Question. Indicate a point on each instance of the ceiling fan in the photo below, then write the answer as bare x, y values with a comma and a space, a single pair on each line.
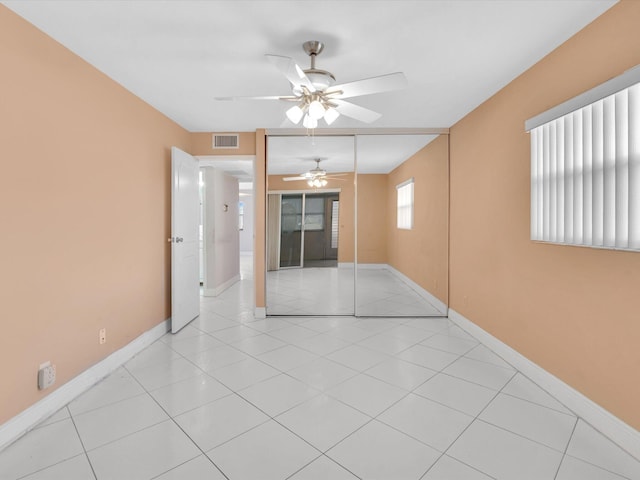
316, 177
315, 95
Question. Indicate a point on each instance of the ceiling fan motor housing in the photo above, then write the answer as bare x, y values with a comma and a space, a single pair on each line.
320, 79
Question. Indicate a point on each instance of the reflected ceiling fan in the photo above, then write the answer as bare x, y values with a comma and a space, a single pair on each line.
316, 177
315, 95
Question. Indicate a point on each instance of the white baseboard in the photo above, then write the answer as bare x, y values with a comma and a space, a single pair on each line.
372, 266
260, 312
427, 295
214, 292
611, 426
345, 264
17, 426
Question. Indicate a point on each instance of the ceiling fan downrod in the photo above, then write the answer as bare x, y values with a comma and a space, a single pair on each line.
313, 48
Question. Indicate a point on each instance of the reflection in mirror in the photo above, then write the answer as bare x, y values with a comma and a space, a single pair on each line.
403, 210
310, 225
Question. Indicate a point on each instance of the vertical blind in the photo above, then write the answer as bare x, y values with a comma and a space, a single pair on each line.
335, 222
585, 174
405, 204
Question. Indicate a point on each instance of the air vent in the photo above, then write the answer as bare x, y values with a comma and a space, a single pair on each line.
227, 140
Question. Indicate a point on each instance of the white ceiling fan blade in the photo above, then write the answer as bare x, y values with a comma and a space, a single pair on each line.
355, 111
287, 98
367, 86
292, 71
290, 179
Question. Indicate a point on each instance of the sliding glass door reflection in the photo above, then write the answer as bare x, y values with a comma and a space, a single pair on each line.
291, 234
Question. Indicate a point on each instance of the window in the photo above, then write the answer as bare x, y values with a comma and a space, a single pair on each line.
405, 204
335, 213
585, 171
241, 215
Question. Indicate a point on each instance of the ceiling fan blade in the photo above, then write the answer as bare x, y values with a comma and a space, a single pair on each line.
367, 86
288, 98
355, 111
290, 179
292, 71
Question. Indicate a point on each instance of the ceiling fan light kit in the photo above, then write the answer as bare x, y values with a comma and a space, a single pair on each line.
316, 177
315, 95
309, 122
317, 182
295, 114
331, 115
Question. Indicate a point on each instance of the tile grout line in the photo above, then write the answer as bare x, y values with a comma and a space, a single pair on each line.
320, 393
600, 467
181, 429
566, 447
235, 392
466, 428
83, 453
86, 454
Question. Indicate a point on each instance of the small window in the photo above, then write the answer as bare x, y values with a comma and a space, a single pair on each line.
335, 213
241, 215
405, 205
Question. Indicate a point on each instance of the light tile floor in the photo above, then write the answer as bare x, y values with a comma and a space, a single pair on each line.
314, 398
330, 291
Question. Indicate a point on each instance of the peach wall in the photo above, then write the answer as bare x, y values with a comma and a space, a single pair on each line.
372, 218
202, 144
346, 241
85, 212
422, 252
571, 310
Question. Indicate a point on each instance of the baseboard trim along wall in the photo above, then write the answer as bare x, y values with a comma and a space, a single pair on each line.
611, 426
260, 312
426, 294
214, 292
25, 421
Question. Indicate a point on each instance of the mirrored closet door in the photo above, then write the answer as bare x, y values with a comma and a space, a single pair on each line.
402, 225
357, 225
310, 226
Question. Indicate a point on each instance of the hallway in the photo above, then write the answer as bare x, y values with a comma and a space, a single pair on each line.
314, 398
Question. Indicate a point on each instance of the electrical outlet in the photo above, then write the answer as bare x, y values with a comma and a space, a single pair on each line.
46, 375
103, 336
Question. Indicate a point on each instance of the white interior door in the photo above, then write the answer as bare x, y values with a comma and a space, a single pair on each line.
185, 263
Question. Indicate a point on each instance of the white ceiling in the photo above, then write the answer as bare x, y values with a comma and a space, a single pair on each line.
178, 55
